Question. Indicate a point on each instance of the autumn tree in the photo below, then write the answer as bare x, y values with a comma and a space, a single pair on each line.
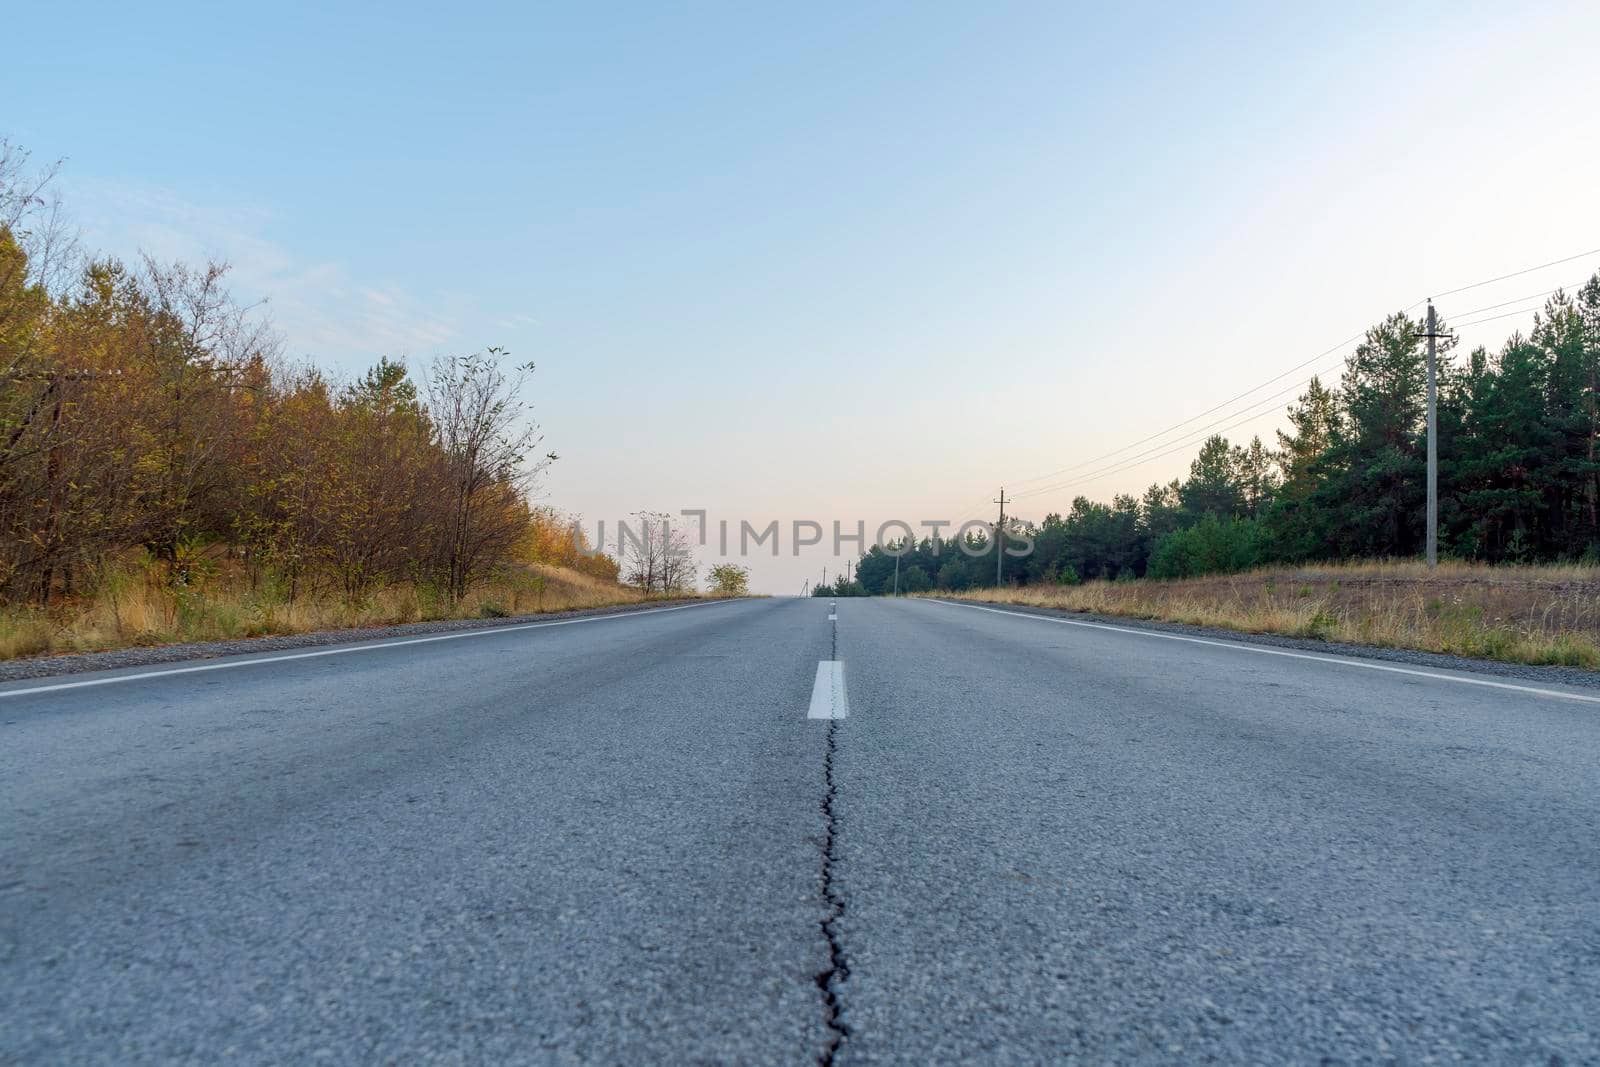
655, 554
486, 438
729, 579
146, 413
199, 355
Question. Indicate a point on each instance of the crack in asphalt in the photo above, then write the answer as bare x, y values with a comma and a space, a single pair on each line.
829, 979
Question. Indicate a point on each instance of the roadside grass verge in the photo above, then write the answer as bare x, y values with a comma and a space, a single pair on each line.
1530, 615
133, 606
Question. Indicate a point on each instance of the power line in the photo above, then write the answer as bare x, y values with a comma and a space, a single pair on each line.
1279, 377
1165, 451
1191, 437
1203, 414
1516, 273
1194, 437
1520, 299
1255, 410
972, 511
1491, 318
1189, 440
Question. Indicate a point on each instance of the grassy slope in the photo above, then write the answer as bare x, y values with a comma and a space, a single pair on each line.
1537, 615
134, 608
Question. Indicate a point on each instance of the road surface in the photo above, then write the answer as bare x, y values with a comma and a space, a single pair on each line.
684, 836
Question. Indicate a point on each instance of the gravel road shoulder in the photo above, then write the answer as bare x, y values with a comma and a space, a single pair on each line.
79, 662
1574, 676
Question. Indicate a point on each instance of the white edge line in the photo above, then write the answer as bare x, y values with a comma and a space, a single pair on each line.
342, 650
1257, 649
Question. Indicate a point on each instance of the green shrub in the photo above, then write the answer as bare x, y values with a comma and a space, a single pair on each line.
915, 580
1210, 546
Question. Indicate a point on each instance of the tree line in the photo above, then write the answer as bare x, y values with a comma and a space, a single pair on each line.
142, 409
1519, 474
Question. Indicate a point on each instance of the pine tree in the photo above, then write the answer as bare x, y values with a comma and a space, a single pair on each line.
1213, 485
1298, 529
1314, 421
1160, 511
1500, 479
1252, 467
1589, 313
1567, 471
1375, 489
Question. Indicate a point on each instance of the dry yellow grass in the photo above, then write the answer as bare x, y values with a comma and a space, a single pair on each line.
134, 607
1536, 615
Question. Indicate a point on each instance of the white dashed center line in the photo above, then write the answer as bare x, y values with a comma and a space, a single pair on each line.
828, 700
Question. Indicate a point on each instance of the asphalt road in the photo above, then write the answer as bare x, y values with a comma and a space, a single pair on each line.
652, 838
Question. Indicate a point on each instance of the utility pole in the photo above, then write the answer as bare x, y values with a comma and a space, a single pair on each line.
1433, 439
1000, 538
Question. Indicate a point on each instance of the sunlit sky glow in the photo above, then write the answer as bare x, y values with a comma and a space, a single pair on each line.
846, 262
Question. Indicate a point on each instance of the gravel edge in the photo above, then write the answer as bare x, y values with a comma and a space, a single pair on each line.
1573, 676
17, 670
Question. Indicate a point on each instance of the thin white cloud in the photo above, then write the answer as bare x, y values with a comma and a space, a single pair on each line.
324, 313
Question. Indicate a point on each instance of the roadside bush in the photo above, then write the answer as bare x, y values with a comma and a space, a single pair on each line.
915, 580
1210, 546
729, 579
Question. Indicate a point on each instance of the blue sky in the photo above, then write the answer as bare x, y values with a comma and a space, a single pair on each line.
802, 261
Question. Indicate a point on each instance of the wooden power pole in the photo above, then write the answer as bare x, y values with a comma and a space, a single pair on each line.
1433, 438
1000, 539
